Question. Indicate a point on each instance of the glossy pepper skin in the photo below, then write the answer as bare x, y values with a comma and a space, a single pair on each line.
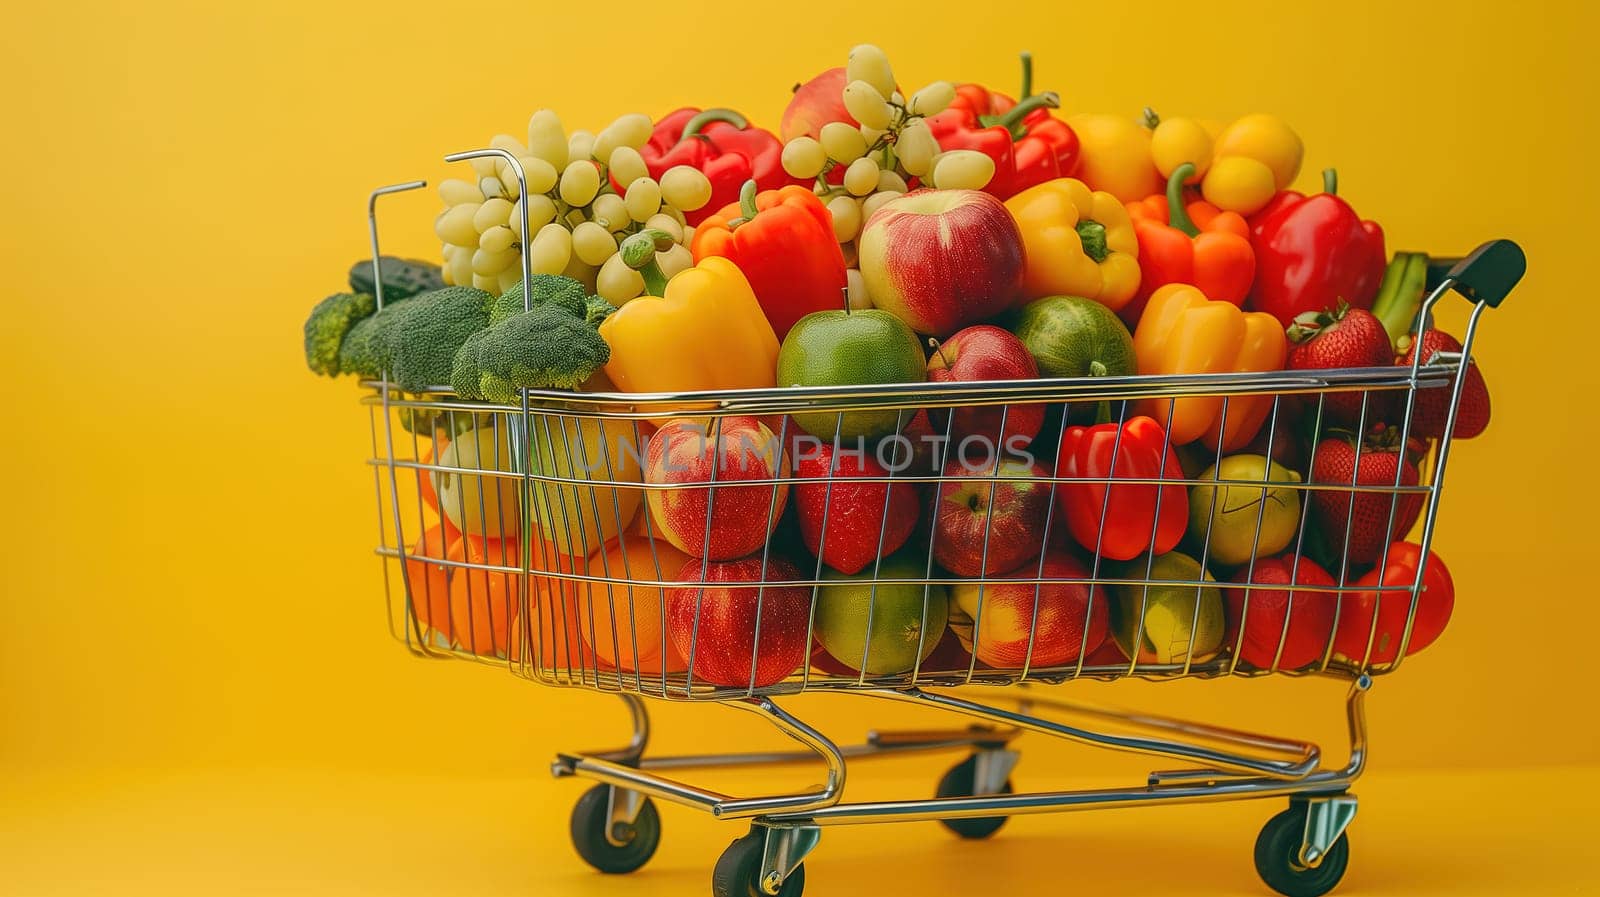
1184, 332
703, 330
1133, 524
1077, 242
1028, 145
784, 243
1312, 252
1194, 243
723, 145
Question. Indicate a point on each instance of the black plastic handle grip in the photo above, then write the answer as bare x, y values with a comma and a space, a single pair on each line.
1487, 275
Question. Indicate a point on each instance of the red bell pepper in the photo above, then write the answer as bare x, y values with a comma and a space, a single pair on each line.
1313, 252
723, 145
1028, 145
784, 243
1129, 511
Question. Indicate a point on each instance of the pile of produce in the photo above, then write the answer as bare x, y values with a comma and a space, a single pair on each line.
955, 234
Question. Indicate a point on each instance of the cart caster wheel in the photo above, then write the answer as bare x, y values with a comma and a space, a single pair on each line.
738, 871
960, 781
1278, 857
638, 840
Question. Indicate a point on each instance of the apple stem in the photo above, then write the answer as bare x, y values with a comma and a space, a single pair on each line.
939, 350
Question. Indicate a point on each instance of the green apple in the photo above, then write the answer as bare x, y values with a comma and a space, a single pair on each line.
1179, 623
1231, 512
851, 348
902, 616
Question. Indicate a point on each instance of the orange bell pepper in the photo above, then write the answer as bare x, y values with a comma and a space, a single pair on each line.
703, 330
1184, 332
1194, 243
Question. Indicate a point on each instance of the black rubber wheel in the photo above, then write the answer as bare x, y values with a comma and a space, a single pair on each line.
738, 870
589, 821
1278, 857
960, 782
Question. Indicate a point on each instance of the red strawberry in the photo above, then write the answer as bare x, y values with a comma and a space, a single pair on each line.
1380, 463
858, 523
1433, 405
1344, 338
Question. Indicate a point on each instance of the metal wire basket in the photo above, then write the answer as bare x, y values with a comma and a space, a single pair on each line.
531, 536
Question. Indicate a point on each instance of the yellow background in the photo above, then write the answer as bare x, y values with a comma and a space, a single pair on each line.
188, 591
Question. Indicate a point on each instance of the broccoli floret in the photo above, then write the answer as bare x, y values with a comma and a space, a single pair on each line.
365, 350
422, 343
548, 289
326, 328
597, 311
542, 348
464, 370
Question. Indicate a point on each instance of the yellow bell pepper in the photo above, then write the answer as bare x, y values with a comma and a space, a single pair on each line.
1183, 332
702, 330
1078, 242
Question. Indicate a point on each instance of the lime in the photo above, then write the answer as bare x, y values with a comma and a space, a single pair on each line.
1070, 336
856, 348
1176, 619
902, 617
1232, 512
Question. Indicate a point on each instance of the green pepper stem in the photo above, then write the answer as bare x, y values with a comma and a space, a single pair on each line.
639, 253
1102, 411
1177, 214
1330, 182
747, 199
1093, 236
1027, 76
1013, 118
693, 126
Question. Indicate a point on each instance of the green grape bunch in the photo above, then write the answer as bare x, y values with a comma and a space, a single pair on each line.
576, 218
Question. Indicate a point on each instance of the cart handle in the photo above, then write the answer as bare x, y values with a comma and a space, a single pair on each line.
1486, 275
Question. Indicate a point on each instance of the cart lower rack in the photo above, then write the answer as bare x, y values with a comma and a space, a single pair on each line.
610, 542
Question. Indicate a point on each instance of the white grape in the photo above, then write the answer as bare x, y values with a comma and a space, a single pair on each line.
454, 225
933, 99
508, 143
846, 212
579, 183
643, 199
617, 283
580, 147
685, 188
592, 243
497, 239
804, 157
962, 170
486, 282
868, 63
626, 165
493, 213
843, 143
916, 148
547, 140
492, 263
873, 203
891, 182
674, 260
540, 174
493, 187
509, 278
861, 177
551, 249
866, 105
856, 290
633, 129
455, 191
610, 211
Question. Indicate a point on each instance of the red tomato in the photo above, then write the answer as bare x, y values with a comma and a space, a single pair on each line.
1434, 603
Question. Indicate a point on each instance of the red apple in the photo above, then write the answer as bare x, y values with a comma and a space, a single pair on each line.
942, 259
1065, 620
710, 456
864, 521
989, 515
1268, 615
814, 104
721, 650
985, 352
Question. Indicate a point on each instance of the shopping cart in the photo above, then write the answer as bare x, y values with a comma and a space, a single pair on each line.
570, 580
